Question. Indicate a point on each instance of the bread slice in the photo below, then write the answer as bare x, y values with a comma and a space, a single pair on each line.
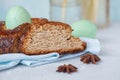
47, 36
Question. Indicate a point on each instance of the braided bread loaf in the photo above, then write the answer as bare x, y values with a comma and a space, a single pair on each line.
40, 37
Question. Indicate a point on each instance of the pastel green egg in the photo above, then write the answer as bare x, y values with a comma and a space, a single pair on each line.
16, 16
84, 28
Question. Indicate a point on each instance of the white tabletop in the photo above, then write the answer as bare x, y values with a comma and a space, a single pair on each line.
107, 69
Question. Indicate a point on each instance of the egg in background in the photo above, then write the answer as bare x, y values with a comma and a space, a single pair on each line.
84, 28
16, 16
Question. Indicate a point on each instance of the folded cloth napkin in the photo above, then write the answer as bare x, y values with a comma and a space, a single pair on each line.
13, 59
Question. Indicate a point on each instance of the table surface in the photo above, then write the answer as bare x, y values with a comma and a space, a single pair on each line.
107, 69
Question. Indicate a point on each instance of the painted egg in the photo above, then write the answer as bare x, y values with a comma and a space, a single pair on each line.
84, 28
16, 16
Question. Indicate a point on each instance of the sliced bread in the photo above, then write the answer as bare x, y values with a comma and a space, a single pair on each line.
49, 36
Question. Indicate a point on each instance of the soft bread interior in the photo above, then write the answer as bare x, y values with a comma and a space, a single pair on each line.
51, 38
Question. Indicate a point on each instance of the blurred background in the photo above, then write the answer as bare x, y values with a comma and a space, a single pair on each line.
47, 9
104, 13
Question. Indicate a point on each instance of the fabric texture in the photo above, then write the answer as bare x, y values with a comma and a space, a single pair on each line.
13, 59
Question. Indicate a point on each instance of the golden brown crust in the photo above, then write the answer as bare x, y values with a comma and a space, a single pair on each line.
44, 21
59, 24
39, 20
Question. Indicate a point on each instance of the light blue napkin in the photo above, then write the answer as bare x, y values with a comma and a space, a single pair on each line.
13, 59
